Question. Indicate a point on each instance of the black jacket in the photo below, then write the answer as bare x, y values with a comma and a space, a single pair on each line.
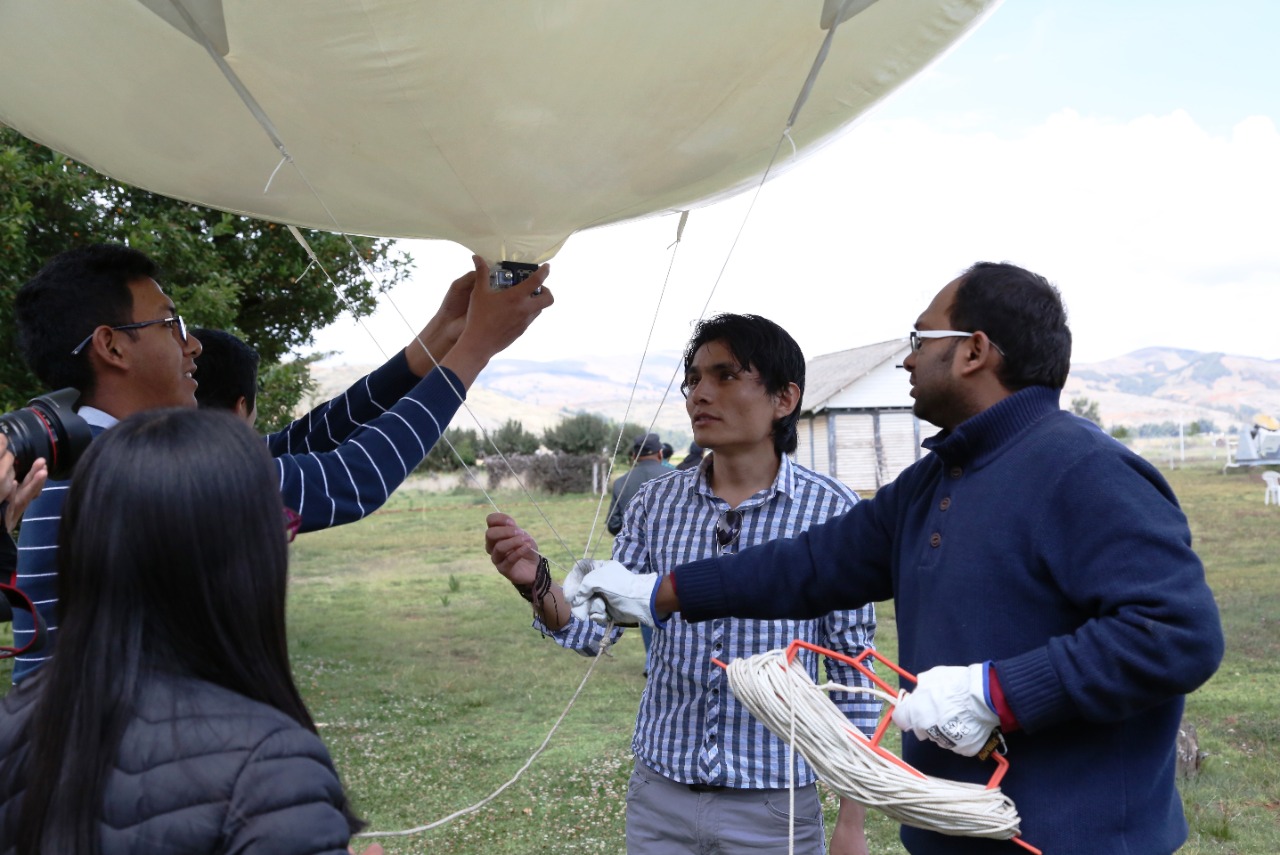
200, 769
626, 486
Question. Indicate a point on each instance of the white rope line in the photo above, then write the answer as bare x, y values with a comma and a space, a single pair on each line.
314, 261
594, 542
267, 125
264, 121
470, 475
791, 772
784, 136
787, 701
519, 772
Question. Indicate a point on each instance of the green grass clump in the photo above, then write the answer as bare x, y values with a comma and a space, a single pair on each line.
432, 690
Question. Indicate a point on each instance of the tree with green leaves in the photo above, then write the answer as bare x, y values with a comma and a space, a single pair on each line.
583, 433
512, 438
626, 438
591, 434
281, 385
246, 276
1086, 409
458, 447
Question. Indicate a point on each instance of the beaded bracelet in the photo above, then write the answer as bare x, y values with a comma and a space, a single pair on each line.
541, 587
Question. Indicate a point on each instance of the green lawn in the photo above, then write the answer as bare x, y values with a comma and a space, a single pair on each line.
432, 690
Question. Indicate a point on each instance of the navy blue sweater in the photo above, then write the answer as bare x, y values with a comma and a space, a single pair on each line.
337, 464
1032, 539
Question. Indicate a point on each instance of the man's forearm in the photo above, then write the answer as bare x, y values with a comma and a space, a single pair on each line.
429, 347
849, 836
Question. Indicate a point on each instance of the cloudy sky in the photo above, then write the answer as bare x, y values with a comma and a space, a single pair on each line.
1127, 151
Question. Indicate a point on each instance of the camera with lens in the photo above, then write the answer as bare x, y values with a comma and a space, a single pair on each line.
47, 427
507, 273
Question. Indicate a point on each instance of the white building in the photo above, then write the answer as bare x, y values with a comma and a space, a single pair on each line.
855, 419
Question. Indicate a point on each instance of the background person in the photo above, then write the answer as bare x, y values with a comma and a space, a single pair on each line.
169, 721
227, 368
1042, 575
709, 776
692, 459
646, 463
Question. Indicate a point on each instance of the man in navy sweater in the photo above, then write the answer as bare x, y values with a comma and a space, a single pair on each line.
95, 319
1042, 574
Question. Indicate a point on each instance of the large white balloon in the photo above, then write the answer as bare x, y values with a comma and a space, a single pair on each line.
504, 126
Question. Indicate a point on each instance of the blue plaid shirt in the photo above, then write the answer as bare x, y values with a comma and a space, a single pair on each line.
690, 727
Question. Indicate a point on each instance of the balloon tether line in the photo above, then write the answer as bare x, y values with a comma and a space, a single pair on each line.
264, 121
519, 772
592, 542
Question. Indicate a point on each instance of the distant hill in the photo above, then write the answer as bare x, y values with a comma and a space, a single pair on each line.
1155, 384
1159, 384
539, 394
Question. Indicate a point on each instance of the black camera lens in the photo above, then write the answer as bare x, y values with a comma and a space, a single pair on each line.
47, 428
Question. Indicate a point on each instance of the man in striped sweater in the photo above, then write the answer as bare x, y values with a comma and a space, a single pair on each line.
95, 319
709, 776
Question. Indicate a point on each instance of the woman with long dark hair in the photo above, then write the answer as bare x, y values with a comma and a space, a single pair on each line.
168, 720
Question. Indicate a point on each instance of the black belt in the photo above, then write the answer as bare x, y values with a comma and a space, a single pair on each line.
706, 788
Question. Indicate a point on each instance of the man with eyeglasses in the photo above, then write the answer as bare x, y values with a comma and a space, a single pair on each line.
95, 319
709, 776
1042, 574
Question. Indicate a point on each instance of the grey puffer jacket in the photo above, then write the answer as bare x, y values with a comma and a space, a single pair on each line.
201, 769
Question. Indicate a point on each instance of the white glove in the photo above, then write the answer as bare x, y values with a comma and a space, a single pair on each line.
949, 706
589, 609
627, 597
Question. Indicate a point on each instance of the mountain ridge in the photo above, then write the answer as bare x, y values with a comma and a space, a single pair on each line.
1152, 384
1156, 384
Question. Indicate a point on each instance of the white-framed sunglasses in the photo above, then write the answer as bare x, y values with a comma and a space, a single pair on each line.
917, 338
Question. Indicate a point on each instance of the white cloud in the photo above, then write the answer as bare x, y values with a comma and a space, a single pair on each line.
1156, 231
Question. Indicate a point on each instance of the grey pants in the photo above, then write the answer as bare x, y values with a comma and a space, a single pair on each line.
667, 818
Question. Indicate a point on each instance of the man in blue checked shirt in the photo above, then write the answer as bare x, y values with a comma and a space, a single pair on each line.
95, 319
708, 776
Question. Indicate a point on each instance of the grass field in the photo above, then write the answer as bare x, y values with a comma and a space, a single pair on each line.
432, 691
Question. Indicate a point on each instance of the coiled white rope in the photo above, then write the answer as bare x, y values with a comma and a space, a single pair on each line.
800, 713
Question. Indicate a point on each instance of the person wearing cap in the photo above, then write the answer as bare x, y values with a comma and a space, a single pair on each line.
646, 464
648, 461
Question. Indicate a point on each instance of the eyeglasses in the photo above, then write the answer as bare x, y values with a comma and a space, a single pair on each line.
728, 528
169, 322
917, 338
292, 523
